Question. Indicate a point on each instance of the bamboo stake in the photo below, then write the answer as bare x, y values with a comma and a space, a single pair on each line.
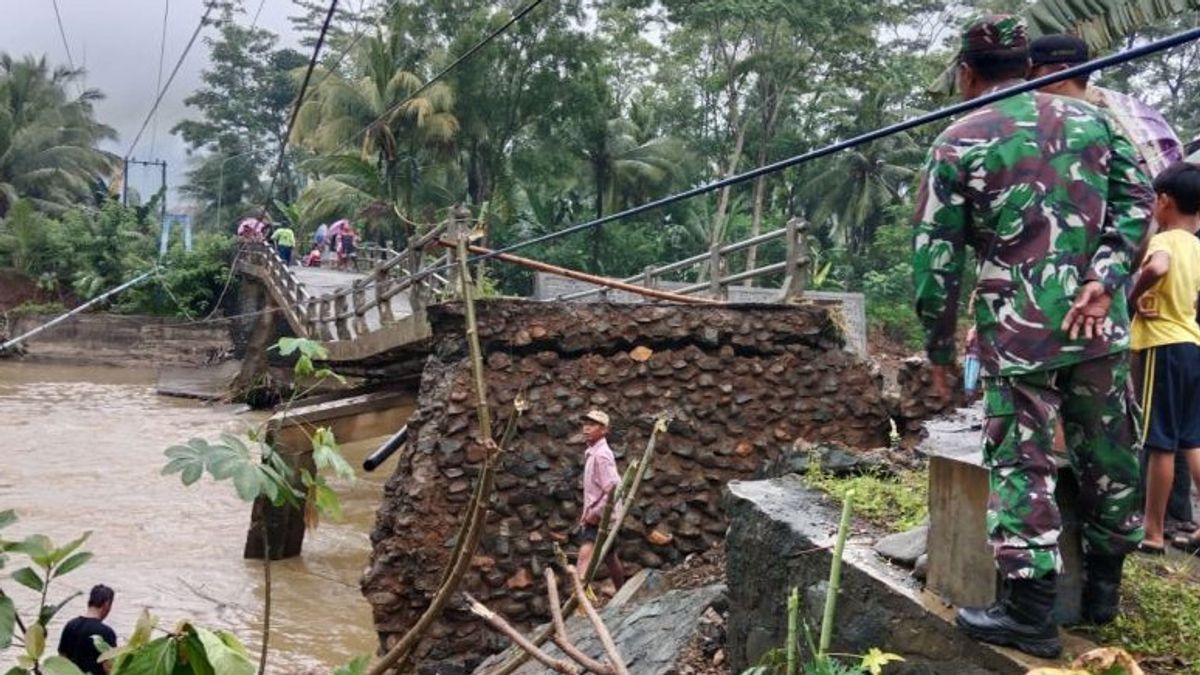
472, 528
835, 578
589, 278
518, 658
610, 648
793, 614
560, 631
497, 622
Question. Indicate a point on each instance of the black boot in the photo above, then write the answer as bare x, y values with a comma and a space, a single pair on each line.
1021, 618
1102, 587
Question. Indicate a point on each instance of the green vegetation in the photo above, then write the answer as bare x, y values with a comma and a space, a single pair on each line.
1160, 611
897, 502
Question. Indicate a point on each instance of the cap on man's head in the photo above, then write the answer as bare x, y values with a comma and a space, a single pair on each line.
598, 416
1051, 49
994, 33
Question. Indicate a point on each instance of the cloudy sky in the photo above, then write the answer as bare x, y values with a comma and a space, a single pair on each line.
118, 42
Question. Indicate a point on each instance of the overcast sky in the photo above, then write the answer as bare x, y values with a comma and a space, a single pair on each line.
118, 42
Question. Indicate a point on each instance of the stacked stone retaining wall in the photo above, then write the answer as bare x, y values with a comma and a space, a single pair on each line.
742, 382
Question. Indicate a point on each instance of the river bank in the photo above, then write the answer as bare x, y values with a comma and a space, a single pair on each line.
124, 340
83, 451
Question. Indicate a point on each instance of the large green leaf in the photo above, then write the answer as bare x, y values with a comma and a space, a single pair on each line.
35, 641
188, 460
356, 667
29, 579
57, 665
224, 658
8, 622
247, 482
1101, 23
72, 563
60, 554
156, 658
7, 517
38, 547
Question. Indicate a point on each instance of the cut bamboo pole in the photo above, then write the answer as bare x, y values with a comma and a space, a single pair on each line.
560, 631
472, 527
583, 276
835, 577
497, 622
610, 648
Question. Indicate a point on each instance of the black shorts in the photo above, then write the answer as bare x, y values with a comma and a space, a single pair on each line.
1170, 397
587, 534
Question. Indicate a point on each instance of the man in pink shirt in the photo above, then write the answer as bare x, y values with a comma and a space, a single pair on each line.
600, 478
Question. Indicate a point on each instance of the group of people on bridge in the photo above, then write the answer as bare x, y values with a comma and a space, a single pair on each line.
339, 239
1060, 193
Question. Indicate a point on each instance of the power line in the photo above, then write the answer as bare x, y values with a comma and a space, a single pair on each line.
445, 71
258, 11
62, 33
283, 142
287, 134
921, 120
162, 51
162, 92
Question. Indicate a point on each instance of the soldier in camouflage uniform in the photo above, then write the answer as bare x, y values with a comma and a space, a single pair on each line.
1049, 195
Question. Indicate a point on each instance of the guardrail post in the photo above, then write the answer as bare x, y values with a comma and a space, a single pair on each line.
715, 288
341, 315
383, 299
797, 260
648, 276
358, 302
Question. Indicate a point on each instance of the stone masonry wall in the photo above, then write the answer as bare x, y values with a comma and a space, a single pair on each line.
743, 382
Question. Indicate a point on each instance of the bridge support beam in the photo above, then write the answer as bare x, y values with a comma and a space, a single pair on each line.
352, 418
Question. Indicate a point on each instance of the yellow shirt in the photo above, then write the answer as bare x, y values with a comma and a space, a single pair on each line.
1174, 295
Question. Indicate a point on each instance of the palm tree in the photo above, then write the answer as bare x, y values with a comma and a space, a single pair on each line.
857, 185
399, 141
48, 140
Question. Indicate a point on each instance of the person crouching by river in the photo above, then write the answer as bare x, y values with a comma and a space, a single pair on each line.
600, 479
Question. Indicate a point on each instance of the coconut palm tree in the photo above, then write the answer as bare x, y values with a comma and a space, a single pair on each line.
48, 140
375, 145
851, 191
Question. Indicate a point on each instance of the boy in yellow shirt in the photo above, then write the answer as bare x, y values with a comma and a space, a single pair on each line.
1167, 338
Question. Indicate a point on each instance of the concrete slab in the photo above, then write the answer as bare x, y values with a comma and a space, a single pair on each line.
780, 536
208, 383
961, 567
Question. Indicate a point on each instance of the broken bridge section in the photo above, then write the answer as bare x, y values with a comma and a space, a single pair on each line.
743, 382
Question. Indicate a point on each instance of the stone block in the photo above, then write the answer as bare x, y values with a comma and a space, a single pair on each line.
961, 567
780, 537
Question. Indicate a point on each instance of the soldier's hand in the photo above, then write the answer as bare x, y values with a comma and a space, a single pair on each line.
1088, 312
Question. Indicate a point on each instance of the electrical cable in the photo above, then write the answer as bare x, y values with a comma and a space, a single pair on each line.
62, 33
283, 143
162, 52
162, 92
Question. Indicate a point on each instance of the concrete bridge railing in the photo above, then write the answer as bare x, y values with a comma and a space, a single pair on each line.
715, 263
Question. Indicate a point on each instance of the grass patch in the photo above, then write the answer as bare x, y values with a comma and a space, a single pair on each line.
1160, 603
896, 503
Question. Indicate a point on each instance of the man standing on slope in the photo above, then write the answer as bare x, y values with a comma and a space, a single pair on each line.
1050, 197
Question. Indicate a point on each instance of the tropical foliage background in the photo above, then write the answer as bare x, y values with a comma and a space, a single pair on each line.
581, 109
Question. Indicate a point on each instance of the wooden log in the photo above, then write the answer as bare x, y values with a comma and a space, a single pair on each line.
583, 276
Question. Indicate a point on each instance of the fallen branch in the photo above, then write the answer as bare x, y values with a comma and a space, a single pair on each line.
560, 631
497, 622
610, 648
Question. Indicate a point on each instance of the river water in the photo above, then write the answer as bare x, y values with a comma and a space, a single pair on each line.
82, 449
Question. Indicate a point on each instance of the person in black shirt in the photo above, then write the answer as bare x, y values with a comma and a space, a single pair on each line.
76, 643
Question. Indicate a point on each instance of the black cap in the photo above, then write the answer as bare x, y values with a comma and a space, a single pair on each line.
1057, 49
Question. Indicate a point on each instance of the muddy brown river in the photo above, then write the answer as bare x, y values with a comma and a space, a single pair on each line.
82, 449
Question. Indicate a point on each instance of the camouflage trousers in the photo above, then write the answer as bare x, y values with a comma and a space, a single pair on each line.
1081, 412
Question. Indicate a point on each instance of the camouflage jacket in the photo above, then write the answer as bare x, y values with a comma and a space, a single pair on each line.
1048, 193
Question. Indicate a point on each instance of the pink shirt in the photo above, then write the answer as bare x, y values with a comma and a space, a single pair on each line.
599, 478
